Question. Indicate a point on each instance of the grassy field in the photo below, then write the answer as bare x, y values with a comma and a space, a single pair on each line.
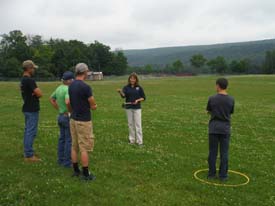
160, 173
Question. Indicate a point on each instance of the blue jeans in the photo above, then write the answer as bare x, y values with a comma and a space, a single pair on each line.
31, 123
64, 141
214, 141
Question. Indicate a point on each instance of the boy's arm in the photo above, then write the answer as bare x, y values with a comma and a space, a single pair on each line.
92, 103
233, 107
68, 104
53, 103
37, 92
208, 107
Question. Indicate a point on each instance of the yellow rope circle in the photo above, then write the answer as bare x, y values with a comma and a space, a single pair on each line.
221, 184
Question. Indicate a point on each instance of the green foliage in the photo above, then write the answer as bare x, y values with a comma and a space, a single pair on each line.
148, 69
118, 64
12, 67
254, 50
35, 41
198, 60
218, 65
13, 45
56, 55
269, 64
240, 67
177, 66
102, 56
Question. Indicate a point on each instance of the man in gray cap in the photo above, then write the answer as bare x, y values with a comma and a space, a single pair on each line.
81, 101
60, 101
30, 95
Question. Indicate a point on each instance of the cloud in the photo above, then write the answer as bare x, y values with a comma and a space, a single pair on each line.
142, 23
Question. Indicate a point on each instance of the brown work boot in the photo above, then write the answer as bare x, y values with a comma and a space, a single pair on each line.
32, 159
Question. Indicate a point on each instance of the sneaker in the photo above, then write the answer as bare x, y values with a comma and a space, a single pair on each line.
211, 177
223, 179
131, 143
37, 155
91, 177
76, 174
32, 159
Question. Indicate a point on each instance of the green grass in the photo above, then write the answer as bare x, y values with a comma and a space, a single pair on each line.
161, 173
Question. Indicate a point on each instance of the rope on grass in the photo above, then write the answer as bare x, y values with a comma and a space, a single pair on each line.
48, 126
222, 184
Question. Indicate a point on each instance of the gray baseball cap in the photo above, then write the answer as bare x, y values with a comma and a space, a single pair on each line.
29, 63
81, 67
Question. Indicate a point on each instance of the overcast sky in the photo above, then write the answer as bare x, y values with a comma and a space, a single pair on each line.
136, 24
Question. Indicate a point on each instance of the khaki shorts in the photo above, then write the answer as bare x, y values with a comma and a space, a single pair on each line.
82, 136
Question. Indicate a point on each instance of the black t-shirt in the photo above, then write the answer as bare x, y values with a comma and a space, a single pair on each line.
79, 93
132, 94
220, 107
31, 102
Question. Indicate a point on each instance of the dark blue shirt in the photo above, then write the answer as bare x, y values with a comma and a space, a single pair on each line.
220, 107
79, 93
31, 102
132, 94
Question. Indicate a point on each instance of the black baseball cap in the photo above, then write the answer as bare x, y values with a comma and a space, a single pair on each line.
68, 75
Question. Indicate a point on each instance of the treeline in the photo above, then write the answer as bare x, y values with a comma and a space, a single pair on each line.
198, 64
55, 56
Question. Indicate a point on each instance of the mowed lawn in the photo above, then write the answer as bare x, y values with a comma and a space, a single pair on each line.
161, 172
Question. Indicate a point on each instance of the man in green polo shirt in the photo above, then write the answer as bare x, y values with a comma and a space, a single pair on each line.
60, 101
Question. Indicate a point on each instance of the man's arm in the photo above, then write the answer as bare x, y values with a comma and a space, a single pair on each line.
92, 103
53, 103
37, 92
68, 104
233, 107
208, 107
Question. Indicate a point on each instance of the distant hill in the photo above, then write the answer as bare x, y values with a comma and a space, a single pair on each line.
254, 50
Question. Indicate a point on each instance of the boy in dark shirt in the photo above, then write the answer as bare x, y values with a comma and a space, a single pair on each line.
220, 107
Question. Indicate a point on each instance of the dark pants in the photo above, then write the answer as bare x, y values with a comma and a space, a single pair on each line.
64, 141
214, 141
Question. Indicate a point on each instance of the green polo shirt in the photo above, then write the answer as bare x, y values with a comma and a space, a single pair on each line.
60, 95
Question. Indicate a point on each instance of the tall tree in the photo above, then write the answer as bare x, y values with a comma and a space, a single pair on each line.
56, 55
13, 51
269, 63
43, 57
101, 58
198, 60
177, 66
34, 41
235, 66
12, 67
218, 65
119, 63
13, 45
